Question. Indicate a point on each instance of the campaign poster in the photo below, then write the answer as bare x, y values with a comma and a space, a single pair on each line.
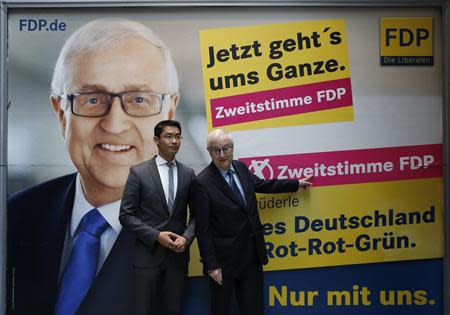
303, 93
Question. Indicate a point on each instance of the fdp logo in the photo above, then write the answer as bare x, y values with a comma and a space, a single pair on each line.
262, 169
406, 41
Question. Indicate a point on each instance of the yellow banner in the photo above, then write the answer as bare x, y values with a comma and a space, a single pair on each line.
276, 75
351, 224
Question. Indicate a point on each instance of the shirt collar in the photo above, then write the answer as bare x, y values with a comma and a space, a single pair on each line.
81, 206
160, 161
224, 172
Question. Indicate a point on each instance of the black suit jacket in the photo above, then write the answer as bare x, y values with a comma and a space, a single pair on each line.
145, 213
223, 223
37, 223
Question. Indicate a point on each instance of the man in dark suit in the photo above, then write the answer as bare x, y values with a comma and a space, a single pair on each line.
228, 227
67, 252
154, 209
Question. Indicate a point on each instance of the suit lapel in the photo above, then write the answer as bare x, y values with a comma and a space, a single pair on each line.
120, 250
114, 282
62, 226
153, 168
47, 242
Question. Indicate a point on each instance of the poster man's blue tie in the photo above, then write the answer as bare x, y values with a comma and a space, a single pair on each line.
81, 268
234, 186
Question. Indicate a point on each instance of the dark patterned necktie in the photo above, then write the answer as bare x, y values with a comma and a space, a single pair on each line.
234, 186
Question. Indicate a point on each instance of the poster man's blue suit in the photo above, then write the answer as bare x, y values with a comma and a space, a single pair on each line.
37, 223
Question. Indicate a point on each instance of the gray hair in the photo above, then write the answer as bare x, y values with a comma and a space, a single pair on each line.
104, 34
218, 134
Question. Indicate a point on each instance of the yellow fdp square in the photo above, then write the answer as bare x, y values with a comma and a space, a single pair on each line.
406, 40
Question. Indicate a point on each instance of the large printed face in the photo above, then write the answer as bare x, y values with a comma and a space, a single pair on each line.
104, 148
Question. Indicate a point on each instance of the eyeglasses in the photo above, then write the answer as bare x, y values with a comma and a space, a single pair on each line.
170, 137
138, 104
216, 151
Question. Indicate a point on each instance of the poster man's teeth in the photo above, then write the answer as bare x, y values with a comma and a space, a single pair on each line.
111, 147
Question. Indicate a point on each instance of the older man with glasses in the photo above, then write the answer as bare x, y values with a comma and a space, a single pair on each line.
67, 252
228, 228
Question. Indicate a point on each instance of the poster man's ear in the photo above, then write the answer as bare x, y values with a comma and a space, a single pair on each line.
60, 114
173, 106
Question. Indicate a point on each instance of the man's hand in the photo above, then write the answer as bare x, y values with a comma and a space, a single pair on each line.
305, 183
180, 244
216, 275
167, 239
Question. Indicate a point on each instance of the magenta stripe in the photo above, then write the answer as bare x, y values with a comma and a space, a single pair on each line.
293, 100
397, 163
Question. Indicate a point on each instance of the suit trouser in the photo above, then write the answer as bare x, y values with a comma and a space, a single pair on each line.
160, 289
246, 281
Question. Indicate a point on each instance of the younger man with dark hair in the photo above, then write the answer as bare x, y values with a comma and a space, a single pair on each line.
154, 208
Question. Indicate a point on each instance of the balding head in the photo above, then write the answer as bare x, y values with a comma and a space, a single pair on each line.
217, 135
220, 147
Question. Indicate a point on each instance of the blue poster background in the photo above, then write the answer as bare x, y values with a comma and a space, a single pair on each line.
393, 276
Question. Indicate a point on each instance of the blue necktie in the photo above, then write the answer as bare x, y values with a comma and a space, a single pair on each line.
234, 186
81, 268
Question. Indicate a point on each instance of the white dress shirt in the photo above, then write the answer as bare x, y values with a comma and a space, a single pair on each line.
163, 170
81, 206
